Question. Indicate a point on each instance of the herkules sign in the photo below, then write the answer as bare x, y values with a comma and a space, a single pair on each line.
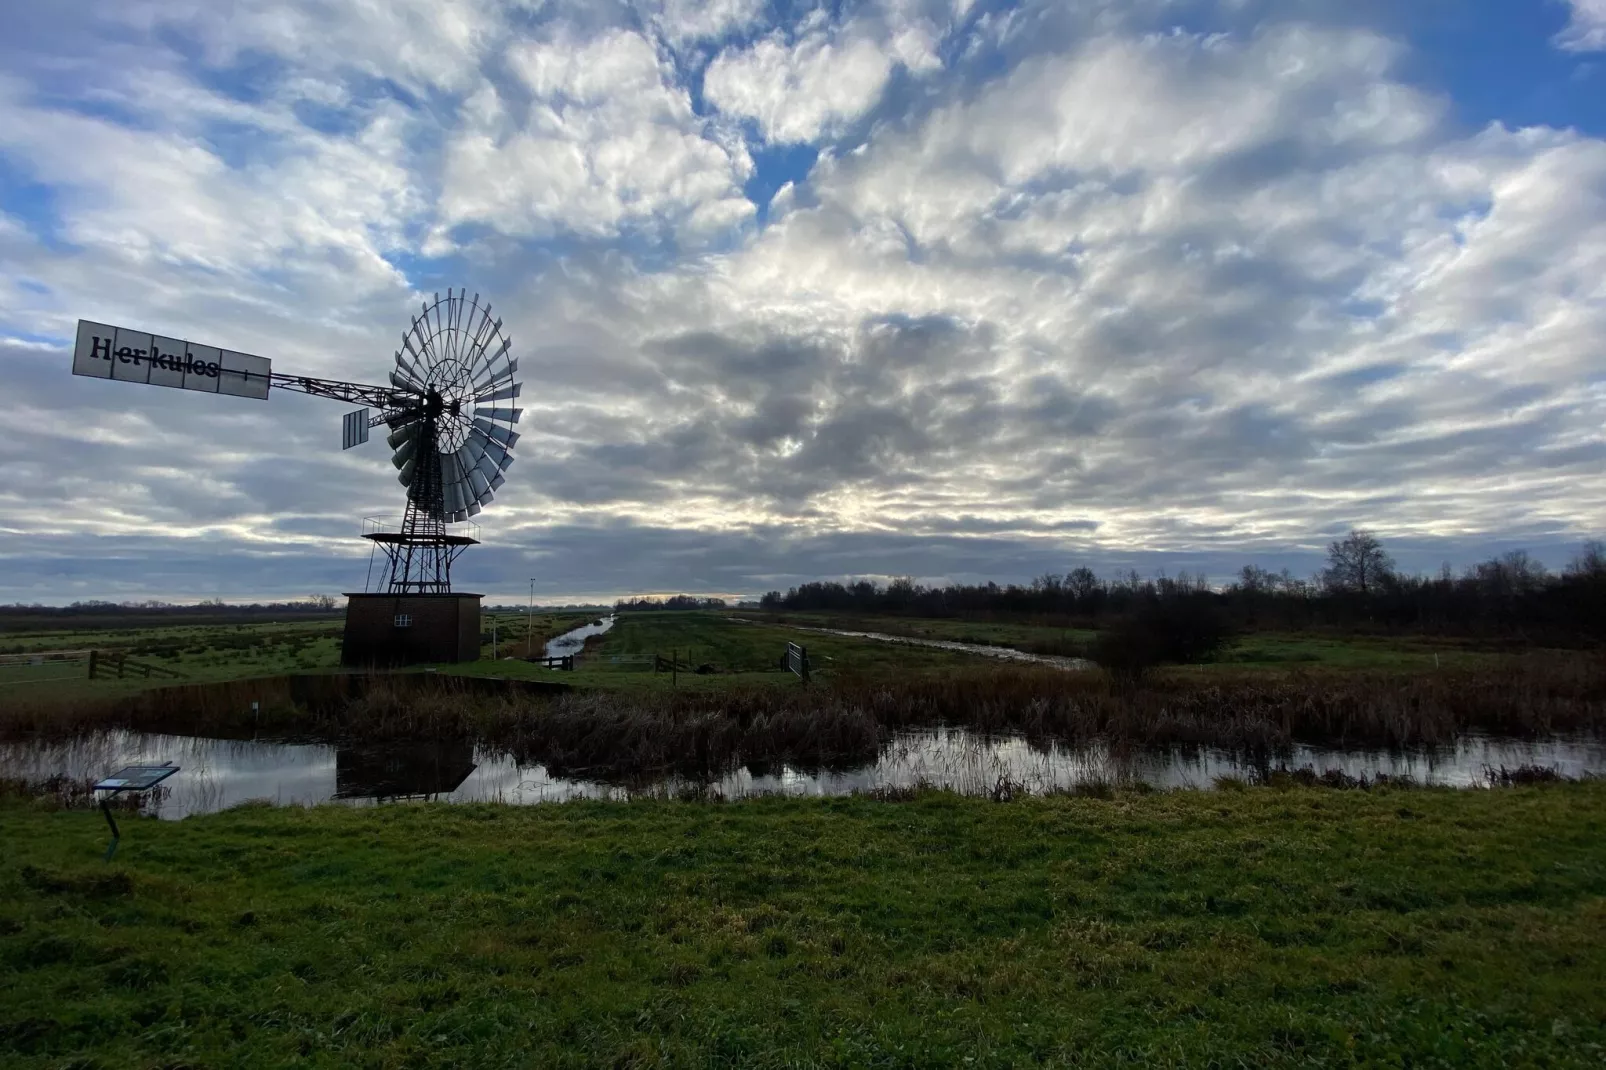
107, 352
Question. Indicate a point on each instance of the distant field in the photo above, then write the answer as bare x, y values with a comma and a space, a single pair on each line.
196, 651
1032, 638
217, 650
516, 634
733, 647
1278, 650
728, 650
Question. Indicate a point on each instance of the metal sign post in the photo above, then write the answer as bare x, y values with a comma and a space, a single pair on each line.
135, 778
797, 660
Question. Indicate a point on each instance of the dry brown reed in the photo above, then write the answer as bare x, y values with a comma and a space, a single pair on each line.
333, 705
628, 737
74, 793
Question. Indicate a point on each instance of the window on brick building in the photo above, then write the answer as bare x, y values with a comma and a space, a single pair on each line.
404, 620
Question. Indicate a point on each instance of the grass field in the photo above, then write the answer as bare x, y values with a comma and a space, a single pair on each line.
1271, 650
1275, 650
1263, 928
732, 651
517, 633
196, 651
218, 650
1032, 638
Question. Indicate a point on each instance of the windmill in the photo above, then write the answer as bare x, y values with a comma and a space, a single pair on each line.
449, 409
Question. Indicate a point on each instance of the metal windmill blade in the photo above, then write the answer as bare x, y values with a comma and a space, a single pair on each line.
452, 447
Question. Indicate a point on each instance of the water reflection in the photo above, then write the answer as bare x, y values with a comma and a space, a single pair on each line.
216, 773
404, 770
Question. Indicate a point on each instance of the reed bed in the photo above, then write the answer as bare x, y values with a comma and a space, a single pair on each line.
851, 722
74, 793
847, 723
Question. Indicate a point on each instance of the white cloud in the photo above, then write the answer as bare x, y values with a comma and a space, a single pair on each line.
156, 201
797, 92
420, 43
1204, 291
812, 81
604, 140
685, 21
1586, 32
1258, 267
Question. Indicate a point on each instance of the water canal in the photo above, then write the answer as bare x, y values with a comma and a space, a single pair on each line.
571, 642
219, 773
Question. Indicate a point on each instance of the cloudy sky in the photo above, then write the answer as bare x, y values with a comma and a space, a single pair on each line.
947, 288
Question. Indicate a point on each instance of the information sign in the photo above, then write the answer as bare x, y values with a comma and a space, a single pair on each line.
107, 352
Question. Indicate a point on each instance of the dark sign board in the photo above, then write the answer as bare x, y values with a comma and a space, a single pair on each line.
136, 778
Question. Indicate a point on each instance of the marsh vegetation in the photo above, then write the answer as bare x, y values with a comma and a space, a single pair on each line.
729, 706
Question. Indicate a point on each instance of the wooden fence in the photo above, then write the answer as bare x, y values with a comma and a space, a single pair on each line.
564, 662
78, 664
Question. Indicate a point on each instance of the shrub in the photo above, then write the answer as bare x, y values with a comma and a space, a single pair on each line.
1175, 631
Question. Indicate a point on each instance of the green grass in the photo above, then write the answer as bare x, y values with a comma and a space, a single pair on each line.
739, 654
1263, 650
198, 652
227, 651
1293, 650
517, 635
1261, 927
1036, 638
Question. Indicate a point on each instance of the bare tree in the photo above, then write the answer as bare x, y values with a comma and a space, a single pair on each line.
1513, 575
1590, 563
322, 601
1082, 583
1253, 579
1357, 563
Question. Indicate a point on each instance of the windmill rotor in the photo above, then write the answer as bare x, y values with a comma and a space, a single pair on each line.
452, 437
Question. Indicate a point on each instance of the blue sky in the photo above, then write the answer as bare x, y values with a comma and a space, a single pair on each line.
951, 288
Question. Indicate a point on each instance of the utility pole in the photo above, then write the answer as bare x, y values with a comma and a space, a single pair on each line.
529, 624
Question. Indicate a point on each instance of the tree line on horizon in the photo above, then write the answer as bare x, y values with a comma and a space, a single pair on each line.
1360, 587
678, 601
318, 603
